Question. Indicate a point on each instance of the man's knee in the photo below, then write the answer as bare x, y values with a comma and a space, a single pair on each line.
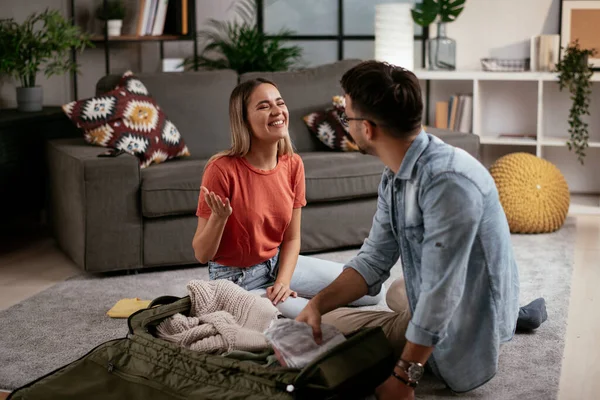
396, 297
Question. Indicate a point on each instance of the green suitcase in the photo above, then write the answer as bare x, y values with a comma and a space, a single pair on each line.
142, 366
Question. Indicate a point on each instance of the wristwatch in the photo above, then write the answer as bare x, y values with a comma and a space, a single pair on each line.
413, 370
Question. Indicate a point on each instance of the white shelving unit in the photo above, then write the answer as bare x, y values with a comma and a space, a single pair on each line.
526, 103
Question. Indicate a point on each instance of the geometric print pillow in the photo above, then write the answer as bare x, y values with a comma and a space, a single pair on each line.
127, 118
328, 128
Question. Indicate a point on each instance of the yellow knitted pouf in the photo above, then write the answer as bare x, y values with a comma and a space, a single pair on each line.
533, 192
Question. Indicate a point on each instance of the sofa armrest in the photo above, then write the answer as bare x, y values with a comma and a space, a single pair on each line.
94, 205
469, 142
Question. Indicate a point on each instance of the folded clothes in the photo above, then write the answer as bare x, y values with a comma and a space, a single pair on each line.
223, 318
294, 343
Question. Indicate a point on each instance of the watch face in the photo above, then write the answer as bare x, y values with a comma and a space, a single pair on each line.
415, 372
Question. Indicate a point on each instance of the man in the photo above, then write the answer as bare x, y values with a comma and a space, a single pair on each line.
438, 209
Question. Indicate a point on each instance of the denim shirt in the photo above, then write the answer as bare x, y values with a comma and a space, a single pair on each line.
442, 215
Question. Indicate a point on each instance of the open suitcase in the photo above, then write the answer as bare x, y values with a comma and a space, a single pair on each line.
142, 366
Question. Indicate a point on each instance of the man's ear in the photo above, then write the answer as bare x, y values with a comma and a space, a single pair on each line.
369, 129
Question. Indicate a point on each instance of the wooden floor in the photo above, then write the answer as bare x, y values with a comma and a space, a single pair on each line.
35, 265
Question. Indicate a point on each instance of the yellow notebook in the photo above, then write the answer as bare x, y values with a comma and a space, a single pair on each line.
125, 307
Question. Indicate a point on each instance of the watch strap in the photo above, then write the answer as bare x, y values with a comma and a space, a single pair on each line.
405, 381
407, 367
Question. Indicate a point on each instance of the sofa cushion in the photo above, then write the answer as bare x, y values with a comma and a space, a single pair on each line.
305, 91
171, 188
337, 176
128, 119
196, 102
328, 127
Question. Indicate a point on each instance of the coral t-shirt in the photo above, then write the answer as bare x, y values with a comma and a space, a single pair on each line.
261, 201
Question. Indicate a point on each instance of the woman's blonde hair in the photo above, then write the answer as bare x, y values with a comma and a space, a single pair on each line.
240, 128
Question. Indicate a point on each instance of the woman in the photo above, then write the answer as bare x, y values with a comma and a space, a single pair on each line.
250, 203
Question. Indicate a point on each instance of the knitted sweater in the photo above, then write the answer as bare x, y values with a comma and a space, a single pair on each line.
223, 318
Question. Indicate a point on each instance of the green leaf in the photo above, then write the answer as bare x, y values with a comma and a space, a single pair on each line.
449, 10
239, 45
575, 74
41, 43
425, 12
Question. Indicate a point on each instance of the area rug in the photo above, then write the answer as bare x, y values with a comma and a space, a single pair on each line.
64, 322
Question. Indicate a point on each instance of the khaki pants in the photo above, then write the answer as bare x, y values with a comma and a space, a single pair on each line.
394, 323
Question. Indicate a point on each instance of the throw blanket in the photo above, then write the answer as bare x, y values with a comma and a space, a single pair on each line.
223, 318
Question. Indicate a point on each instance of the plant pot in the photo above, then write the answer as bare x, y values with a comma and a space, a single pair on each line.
30, 99
114, 27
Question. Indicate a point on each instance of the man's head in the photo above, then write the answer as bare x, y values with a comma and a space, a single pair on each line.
381, 99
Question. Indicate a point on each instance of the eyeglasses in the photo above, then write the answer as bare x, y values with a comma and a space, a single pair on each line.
344, 119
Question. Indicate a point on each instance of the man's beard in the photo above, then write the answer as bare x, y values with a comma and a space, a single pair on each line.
366, 149
361, 149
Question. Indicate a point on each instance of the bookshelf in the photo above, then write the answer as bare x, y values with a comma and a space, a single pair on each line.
107, 41
507, 105
135, 38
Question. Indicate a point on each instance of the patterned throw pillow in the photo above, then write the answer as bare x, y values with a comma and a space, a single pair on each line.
328, 128
127, 118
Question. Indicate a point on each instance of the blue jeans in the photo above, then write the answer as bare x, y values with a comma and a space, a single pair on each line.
310, 277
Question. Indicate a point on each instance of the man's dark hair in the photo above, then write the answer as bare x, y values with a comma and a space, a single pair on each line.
388, 95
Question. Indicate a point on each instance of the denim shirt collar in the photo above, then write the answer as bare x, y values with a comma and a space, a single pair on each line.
413, 153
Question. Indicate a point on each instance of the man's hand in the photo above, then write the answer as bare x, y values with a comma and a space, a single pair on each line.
393, 389
279, 292
219, 208
312, 316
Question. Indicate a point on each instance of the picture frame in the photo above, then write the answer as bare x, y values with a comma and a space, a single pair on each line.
580, 19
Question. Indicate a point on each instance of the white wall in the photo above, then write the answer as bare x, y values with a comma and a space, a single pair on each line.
485, 28
499, 28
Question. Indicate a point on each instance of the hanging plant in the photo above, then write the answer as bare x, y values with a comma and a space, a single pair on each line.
575, 74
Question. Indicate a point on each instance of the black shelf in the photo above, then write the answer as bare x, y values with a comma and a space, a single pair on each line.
135, 38
109, 41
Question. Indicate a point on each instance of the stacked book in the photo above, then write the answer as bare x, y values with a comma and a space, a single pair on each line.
165, 17
456, 114
544, 52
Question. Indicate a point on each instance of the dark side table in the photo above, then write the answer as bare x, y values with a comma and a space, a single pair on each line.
23, 136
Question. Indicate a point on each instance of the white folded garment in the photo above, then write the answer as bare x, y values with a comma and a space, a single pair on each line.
294, 343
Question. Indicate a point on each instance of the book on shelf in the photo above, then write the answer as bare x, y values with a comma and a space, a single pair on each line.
544, 52
456, 114
165, 17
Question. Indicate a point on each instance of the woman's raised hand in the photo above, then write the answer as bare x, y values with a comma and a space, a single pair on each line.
219, 208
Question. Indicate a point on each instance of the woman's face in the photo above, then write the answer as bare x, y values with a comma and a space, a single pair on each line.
267, 114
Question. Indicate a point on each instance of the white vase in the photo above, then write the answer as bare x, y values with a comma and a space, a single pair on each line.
394, 34
114, 27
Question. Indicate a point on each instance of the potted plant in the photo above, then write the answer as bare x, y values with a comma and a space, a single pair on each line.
441, 49
574, 73
41, 43
240, 46
112, 12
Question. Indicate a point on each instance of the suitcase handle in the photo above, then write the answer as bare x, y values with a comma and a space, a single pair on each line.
162, 300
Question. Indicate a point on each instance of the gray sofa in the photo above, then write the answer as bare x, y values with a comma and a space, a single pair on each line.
109, 215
